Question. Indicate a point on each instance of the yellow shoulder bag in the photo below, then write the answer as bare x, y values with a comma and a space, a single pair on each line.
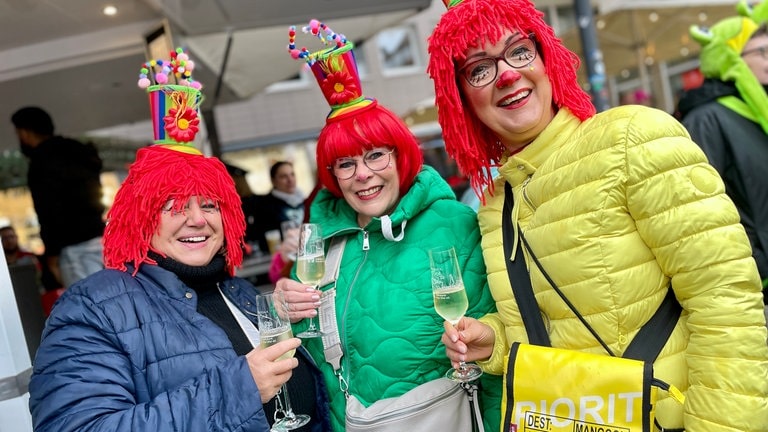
558, 390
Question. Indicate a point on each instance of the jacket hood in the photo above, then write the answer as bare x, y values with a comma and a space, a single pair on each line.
709, 91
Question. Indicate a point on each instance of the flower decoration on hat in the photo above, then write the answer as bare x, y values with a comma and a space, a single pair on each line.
174, 98
334, 68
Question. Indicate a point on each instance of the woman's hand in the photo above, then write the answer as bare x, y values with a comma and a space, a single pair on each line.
469, 341
302, 300
269, 374
289, 245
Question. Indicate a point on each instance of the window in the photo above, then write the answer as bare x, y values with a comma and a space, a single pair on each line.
302, 79
398, 51
362, 62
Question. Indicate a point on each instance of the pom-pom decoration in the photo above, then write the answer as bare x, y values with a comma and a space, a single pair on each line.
334, 68
323, 33
173, 71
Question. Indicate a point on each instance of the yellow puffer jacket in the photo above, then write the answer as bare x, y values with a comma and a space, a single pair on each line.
614, 208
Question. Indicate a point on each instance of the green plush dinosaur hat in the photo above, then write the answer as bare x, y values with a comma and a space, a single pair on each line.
758, 13
720, 58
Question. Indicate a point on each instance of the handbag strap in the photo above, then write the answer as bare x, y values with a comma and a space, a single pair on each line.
651, 337
328, 325
520, 280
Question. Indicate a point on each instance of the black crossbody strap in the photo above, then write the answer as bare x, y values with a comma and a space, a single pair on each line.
520, 279
652, 337
648, 342
562, 296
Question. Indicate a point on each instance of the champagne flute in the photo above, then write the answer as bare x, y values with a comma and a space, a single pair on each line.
274, 327
310, 266
451, 301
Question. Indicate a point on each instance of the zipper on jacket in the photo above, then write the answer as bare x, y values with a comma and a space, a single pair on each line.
343, 327
366, 245
525, 193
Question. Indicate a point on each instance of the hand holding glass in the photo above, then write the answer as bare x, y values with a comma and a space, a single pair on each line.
451, 301
310, 266
274, 327
290, 228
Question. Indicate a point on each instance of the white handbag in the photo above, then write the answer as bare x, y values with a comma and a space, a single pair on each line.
438, 405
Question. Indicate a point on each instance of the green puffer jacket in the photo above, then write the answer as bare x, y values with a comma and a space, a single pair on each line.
615, 208
388, 326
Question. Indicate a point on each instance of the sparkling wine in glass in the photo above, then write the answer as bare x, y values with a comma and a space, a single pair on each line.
310, 266
451, 301
275, 326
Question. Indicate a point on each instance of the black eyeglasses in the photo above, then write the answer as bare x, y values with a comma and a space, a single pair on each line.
376, 160
763, 50
517, 54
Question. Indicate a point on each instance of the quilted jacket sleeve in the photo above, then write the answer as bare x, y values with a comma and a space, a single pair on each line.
84, 380
679, 204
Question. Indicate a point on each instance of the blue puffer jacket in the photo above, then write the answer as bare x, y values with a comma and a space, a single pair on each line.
123, 353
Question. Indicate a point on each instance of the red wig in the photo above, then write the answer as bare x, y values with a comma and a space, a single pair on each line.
472, 23
357, 132
161, 173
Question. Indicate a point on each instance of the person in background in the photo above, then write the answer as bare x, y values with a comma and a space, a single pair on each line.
390, 209
14, 254
728, 117
163, 339
617, 206
65, 183
284, 202
249, 204
285, 257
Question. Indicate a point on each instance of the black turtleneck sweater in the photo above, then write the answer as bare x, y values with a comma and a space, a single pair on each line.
204, 281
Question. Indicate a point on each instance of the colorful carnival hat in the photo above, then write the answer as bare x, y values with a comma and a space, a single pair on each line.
335, 69
171, 169
174, 98
720, 58
758, 13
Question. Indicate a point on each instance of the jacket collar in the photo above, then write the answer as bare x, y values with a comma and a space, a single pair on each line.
516, 168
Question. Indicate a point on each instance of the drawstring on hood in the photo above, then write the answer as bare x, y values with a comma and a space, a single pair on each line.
386, 229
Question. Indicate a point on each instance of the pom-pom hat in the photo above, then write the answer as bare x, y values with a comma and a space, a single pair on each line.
334, 68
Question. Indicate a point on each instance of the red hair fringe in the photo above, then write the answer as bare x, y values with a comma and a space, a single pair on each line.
472, 23
160, 174
354, 134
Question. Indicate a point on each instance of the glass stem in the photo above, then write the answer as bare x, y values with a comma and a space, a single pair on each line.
312, 320
288, 409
